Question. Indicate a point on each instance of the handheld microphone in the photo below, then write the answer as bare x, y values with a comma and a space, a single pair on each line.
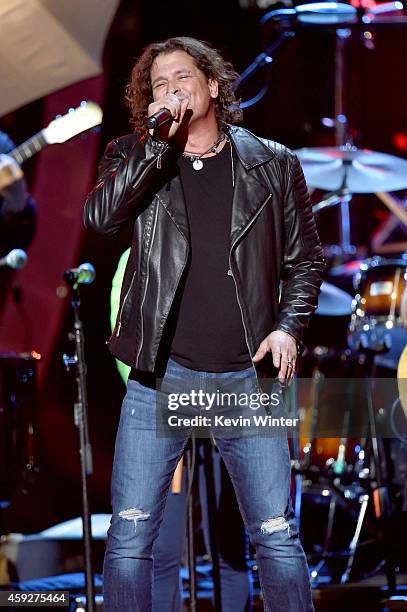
16, 259
83, 275
158, 119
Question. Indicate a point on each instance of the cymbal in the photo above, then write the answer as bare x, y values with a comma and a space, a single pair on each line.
326, 13
385, 13
333, 302
329, 13
313, 13
365, 171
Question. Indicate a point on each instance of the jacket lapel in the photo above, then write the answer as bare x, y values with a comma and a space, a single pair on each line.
171, 196
251, 191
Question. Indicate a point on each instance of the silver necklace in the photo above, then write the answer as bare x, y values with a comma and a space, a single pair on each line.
196, 160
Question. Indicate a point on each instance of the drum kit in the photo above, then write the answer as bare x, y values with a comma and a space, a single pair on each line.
343, 467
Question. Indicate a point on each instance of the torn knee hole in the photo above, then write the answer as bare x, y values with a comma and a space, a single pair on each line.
272, 525
135, 515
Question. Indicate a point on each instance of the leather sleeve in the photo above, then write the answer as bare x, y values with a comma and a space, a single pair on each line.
303, 264
128, 173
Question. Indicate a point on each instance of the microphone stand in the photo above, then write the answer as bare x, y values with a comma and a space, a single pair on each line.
191, 562
77, 361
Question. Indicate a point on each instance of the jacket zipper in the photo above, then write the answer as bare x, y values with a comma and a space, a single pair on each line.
146, 285
232, 275
119, 325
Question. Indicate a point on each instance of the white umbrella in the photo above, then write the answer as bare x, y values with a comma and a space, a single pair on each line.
49, 44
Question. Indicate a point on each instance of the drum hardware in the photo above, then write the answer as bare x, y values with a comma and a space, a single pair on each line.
18, 424
376, 319
354, 497
264, 59
329, 477
378, 493
343, 480
343, 171
379, 284
337, 13
397, 207
346, 170
342, 198
347, 484
316, 449
74, 277
376, 306
314, 14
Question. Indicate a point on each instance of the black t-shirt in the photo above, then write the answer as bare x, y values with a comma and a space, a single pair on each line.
209, 334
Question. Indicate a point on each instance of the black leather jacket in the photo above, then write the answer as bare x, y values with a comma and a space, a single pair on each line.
273, 238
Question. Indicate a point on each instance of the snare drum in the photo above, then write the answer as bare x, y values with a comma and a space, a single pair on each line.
375, 316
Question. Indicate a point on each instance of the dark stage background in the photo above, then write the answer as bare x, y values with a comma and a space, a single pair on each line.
300, 94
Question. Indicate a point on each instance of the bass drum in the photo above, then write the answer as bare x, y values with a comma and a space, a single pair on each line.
18, 422
326, 356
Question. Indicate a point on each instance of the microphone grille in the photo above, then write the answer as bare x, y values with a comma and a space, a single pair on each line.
16, 259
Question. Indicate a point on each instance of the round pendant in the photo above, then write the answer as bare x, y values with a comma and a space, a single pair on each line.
197, 165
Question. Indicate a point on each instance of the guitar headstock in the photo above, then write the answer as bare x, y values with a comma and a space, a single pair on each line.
86, 116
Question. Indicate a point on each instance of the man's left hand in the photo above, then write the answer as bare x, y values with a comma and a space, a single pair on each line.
12, 185
10, 171
284, 350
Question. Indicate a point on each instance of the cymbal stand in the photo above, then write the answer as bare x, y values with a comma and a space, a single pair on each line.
341, 120
318, 378
295, 442
338, 466
378, 488
373, 488
341, 197
263, 59
190, 452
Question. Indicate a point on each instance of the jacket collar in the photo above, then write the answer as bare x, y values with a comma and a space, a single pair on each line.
250, 149
250, 191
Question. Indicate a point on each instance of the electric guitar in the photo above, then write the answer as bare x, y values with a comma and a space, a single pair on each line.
86, 116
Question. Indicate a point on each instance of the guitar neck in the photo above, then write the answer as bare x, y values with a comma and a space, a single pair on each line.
29, 148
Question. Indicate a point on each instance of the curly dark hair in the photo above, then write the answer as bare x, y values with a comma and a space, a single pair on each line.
209, 60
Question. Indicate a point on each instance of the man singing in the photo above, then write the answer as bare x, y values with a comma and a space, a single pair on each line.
222, 221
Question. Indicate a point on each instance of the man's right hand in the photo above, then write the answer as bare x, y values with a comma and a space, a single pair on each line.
177, 107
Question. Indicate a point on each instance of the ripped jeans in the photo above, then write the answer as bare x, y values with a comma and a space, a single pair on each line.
144, 462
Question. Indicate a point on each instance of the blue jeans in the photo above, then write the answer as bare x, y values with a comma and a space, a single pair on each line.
232, 544
168, 550
259, 468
